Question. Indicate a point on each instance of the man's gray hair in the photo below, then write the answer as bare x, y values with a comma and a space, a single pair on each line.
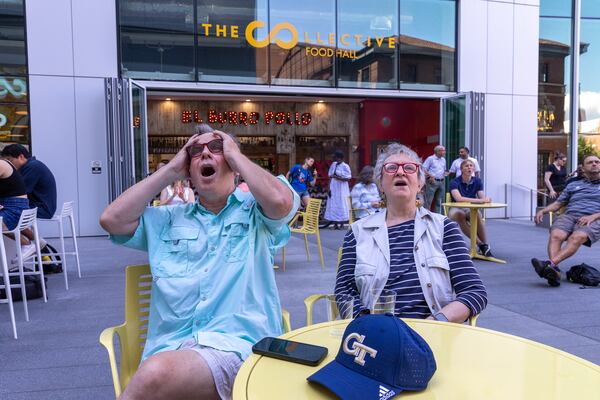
439, 147
393, 149
203, 128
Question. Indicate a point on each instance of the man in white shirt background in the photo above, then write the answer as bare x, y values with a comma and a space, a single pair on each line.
435, 169
463, 154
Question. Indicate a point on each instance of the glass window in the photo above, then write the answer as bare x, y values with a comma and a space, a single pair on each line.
304, 50
157, 39
557, 8
13, 60
590, 8
224, 54
589, 86
554, 77
14, 115
428, 41
366, 45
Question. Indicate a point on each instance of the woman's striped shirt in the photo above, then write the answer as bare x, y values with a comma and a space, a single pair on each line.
403, 278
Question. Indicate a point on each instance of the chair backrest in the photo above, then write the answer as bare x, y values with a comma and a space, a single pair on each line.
27, 219
138, 284
67, 209
350, 212
311, 215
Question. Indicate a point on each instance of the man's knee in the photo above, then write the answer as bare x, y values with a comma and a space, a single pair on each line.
559, 235
458, 216
578, 238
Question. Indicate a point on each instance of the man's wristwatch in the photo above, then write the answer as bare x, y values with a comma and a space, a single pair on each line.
440, 317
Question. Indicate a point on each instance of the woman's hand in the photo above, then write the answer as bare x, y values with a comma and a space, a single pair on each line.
553, 194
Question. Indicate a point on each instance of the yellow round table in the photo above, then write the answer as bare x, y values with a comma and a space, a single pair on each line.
474, 208
472, 363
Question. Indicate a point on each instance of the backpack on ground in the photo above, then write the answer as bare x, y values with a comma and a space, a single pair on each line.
33, 285
52, 261
584, 274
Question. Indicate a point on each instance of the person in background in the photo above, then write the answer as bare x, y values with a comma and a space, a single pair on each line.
463, 154
336, 210
435, 170
469, 188
39, 184
13, 199
556, 175
419, 255
177, 193
213, 289
365, 194
578, 225
300, 177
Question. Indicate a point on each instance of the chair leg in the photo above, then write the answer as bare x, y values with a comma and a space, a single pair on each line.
306, 247
283, 258
75, 245
320, 249
63, 252
7, 289
40, 265
22, 281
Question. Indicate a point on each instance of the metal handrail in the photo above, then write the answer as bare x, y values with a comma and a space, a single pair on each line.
531, 191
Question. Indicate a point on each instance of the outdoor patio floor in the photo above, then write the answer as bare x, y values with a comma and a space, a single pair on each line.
57, 355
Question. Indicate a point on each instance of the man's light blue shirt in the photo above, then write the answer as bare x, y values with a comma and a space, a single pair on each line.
212, 274
436, 166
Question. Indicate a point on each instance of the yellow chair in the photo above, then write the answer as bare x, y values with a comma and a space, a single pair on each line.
132, 333
310, 226
310, 301
351, 211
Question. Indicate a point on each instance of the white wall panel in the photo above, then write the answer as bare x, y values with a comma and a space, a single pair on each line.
498, 148
528, 2
524, 154
95, 38
500, 48
91, 146
472, 48
526, 51
49, 37
53, 137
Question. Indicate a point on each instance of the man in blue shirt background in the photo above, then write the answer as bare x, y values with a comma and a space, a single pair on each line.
301, 177
213, 289
469, 188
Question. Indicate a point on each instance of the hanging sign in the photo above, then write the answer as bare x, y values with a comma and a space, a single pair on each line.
247, 118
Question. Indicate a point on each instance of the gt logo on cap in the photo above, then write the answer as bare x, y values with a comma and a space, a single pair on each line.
358, 349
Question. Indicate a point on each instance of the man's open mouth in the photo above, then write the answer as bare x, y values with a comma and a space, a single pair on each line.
207, 171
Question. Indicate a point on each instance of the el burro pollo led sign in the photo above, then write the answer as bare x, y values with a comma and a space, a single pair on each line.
315, 38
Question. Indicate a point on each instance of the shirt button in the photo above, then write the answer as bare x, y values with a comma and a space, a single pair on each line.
197, 323
212, 248
206, 270
433, 306
203, 298
429, 285
423, 265
416, 248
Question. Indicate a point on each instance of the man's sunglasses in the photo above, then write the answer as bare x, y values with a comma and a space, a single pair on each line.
214, 146
408, 168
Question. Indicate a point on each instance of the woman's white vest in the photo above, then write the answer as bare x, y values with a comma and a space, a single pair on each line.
373, 258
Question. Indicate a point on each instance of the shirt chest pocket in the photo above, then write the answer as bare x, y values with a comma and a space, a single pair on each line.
236, 239
439, 277
174, 251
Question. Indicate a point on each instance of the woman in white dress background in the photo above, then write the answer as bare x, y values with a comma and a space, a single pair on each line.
177, 193
336, 211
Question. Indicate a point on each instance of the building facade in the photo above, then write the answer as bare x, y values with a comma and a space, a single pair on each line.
319, 75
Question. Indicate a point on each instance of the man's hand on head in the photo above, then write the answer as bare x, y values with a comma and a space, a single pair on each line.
180, 164
230, 149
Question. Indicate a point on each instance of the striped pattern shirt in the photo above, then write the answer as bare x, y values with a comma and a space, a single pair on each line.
403, 278
582, 197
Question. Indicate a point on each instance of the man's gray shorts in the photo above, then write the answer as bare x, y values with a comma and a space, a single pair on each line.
568, 223
224, 366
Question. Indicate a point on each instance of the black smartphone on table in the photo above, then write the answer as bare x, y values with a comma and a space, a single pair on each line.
289, 350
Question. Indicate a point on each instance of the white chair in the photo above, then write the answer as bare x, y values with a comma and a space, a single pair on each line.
6, 285
28, 220
66, 212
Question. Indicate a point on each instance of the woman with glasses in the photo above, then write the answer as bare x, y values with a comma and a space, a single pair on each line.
406, 249
556, 175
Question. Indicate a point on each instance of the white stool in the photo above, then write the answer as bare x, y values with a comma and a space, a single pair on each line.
66, 212
28, 220
6, 286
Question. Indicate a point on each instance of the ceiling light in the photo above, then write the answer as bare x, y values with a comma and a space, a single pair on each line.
168, 99
248, 100
321, 101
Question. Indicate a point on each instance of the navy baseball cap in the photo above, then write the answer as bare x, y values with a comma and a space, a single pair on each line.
379, 357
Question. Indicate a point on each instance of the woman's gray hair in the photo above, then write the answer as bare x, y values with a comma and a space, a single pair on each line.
393, 149
366, 175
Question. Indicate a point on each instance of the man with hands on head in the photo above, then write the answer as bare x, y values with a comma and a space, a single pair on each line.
213, 291
579, 224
